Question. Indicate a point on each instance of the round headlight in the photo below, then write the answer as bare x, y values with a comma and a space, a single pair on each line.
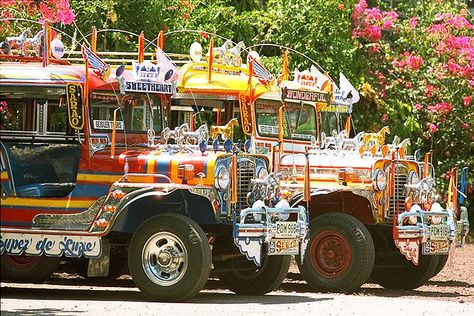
262, 173
222, 178
413, 178
380, 179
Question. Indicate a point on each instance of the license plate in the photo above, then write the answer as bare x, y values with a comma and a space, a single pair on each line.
438, 232
286, 230
435, 247
283, 247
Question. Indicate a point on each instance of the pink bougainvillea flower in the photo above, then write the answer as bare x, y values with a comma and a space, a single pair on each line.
465, 125
360, 7
433, 128
340, 6
372, 33
384, 117
372, 15
415, 62
413, 22
467, 100
418, 106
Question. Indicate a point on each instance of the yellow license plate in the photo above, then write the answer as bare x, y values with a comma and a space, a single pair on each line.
435, 247
283, 247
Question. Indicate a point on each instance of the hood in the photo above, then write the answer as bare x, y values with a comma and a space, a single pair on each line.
168, 162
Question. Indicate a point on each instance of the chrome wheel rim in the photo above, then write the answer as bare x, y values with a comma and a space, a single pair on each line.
164, 259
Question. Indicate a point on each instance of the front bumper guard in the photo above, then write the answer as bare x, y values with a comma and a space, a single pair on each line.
423, 230
262, 225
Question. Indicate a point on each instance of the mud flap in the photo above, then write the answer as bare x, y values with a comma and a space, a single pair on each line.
99, 267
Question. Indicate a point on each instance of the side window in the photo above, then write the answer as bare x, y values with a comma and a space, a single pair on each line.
18, 115
56, 121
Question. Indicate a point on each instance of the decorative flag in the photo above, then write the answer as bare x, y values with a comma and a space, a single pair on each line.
347, 89
94, 39
347, 127
167, 67
101, 69
211, 58
426, 163
284, 71
141, 47
260, 72
160, 42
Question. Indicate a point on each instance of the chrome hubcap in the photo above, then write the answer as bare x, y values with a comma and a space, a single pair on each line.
164, 259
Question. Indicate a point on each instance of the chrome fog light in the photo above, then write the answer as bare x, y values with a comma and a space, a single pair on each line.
436, 219
412, 220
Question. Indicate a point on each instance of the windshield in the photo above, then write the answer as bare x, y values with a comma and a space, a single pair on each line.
137, 112
332, 121
299, 121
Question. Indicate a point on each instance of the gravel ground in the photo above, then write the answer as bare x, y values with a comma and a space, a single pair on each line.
454, 283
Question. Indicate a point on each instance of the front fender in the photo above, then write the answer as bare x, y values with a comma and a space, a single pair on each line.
150, 203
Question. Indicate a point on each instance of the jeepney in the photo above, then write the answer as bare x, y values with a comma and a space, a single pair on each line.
91, 174
373, 209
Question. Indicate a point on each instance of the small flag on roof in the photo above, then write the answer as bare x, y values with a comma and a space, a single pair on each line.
260, 72
101, 69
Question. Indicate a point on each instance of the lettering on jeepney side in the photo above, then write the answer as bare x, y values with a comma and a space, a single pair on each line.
14, 246
44, 245
74, 105
245, 114
72, 248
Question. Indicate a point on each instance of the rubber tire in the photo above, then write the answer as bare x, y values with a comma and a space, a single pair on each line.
357, 268
409, 277
32, 269
442, 260
199, 256
263, 280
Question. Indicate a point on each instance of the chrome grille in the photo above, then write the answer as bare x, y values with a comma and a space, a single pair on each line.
245, 173
399, 194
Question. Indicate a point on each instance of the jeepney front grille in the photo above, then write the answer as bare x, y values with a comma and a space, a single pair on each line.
399, 193
245, 173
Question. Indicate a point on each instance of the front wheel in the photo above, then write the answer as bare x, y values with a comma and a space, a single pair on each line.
409, 276
260, 280
28, 268
340, 254
169, 258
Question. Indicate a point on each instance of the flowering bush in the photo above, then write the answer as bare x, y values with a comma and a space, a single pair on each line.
52, 10
422, 68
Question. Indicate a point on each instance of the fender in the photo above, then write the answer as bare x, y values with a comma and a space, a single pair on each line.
150, 203
338, 200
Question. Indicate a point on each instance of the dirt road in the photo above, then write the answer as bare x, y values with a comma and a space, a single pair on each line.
449, 293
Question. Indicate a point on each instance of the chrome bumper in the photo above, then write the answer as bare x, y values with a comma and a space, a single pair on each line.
264, 225
434, 238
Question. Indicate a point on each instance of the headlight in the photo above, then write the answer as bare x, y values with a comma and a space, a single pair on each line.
222, 178
380, 179
262, 173
413, 178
